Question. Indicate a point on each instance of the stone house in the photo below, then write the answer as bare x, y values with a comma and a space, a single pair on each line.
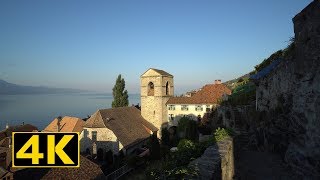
115, 130
6, 171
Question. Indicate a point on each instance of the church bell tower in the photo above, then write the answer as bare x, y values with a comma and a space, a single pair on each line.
156, 89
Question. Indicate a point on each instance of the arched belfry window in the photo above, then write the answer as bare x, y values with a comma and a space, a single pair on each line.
167, 88
150, 89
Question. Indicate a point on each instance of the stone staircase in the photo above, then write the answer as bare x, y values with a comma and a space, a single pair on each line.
241, 140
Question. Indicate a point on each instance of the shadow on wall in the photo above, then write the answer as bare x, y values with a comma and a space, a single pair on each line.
175, 120
88, 146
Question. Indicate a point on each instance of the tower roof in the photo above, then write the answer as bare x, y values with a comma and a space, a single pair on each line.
155, 72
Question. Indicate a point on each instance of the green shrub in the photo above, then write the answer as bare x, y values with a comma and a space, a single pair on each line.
133, 160
154, 147
186, 144
220, 134
165, 137
189, 128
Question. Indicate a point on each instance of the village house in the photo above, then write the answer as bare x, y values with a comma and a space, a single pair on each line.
197, 105
6, 171
111, 131
162, 109
65, 124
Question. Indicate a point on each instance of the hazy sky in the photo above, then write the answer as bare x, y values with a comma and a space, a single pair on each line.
86, 44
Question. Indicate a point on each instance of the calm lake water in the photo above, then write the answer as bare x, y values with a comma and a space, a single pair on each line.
40, 110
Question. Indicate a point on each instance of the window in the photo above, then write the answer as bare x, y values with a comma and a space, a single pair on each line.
94, 135
184, 108
171, 117
199, 108
207, 108
150, 89
167, 88
171, 107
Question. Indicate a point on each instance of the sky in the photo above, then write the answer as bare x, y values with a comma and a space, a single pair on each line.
86, 44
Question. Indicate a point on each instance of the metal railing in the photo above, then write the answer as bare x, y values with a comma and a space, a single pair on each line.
119, 172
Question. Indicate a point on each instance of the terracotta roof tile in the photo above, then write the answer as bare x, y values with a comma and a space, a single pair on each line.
19, 128
209, 94
87, 170
67, 124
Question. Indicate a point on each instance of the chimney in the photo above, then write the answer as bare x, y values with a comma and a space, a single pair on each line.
58, 123
217, 81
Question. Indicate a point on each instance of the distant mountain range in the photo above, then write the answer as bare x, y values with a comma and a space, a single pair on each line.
7, 88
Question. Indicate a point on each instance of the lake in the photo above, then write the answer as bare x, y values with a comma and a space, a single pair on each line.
40, 110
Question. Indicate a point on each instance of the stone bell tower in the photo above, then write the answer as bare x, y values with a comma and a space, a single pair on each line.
156, 89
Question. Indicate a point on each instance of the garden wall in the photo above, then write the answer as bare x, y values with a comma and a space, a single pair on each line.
217, 162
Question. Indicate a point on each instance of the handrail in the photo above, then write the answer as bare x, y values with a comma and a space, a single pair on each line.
119, 172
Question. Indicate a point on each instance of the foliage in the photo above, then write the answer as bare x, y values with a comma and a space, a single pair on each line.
240, 80
133, 160
286, 53
165, 137
205, 129
242, 95
222, 133
189, 128
186, 144
269, 60
155, 147
175, 165
173, 173
120, 95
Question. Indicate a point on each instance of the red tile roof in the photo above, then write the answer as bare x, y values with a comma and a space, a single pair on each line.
67, 124
19, 128
87, 170
209, 94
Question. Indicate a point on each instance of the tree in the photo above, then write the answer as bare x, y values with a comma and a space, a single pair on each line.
155, 147
189, 128
120, 95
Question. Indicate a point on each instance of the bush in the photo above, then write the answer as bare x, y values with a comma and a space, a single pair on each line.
165, 138
134, 160
189, 128
186, 144
155, 147
222, 133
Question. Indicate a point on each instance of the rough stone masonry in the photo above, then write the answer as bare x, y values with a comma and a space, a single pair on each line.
295, 87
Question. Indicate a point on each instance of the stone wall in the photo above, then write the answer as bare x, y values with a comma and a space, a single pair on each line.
235, 117
290, 98
217, 162
106, 140
153, 108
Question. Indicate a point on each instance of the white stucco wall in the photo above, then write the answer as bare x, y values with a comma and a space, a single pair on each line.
191, 112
